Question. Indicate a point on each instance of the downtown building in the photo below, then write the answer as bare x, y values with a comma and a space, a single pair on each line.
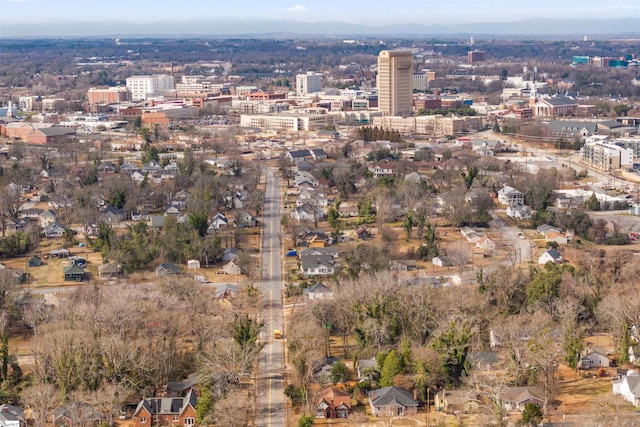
607, 155
395, 82
142, 87
310, 82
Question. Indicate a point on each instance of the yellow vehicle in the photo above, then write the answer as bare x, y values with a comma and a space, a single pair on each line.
277, 334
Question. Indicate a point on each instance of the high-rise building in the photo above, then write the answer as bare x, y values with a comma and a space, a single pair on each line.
395, 82
143, 86
474, 56
310, 82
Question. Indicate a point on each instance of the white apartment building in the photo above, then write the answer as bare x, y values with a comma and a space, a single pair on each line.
395, 82
142, 87
311, 82
600, 153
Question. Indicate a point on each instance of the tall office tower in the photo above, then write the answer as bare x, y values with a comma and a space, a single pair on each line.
395, 82
308, 83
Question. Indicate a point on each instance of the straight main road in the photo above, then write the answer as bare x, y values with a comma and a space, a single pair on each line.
271, 410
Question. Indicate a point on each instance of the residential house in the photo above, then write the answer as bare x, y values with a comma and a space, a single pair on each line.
13, 225
167, 411
330, 251
348, 210
318, 154
519, 212
628, 386
516, 398
383, 168
107, 168
172, 210
232, 267
318, 291
304, 178
392, 401
455, 401
362, 233
54, 229
74, 273
76, 414
226, 291
12, 416
367, 369
304, 213
510, 196
312, 196
557, 237
486, 244
441, 261
306, 237
484, 360
230, 254
472, 235
182, 388
298, 156
167, 269
322, 369
404, 265
59, 253
551, 255
109, 271
245, 219
593, 359
218, 222
333, 403
47, 217
546, 228
317, 265
112, 215
140, 215
32, 213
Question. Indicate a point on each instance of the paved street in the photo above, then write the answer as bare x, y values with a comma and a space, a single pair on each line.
271, 410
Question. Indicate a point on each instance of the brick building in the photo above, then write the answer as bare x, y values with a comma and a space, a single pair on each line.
166, 411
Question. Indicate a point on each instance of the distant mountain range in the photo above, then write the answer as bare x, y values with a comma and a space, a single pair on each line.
221, 27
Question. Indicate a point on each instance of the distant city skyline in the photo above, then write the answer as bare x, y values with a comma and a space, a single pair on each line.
372, 12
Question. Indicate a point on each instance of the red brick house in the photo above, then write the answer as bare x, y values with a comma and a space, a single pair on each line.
167, 411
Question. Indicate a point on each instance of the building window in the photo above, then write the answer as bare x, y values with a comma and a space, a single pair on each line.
189, 421
143, 420
176, 418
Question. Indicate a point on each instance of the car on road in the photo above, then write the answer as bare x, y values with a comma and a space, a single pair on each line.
520, 235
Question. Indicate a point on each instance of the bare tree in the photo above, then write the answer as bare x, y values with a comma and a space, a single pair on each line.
41, 399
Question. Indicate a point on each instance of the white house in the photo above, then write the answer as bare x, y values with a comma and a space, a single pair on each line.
519, 212
593, 359
318, 291
11, 416
628, 386
550, 255
510, 196
317, 265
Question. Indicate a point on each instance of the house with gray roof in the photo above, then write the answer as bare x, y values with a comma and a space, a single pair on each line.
317, 265
571, 128
628, 386
392, 401
167, 411
12, 416
318, 291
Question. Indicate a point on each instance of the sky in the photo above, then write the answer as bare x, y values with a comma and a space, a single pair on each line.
370, 12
